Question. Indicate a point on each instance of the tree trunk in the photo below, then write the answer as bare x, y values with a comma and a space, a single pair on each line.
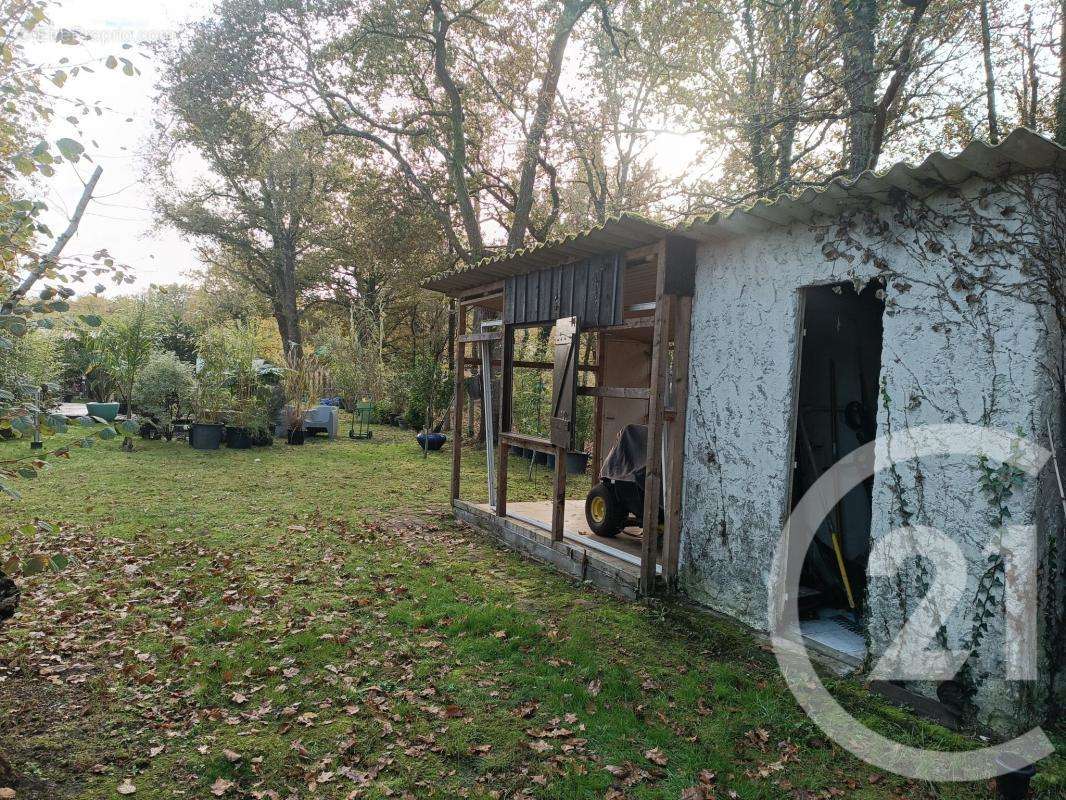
286, 311
50, 259
1060, 100
869, 117
564, 26
457, 161
857, 27
759, 155
990, 77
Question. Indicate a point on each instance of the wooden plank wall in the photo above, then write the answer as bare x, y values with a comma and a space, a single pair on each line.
590, 290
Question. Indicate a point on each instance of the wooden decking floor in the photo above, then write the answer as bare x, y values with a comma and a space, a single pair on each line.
611, 564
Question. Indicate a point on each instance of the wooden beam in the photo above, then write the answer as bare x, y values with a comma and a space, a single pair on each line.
676, 445
559, 494
646, 321
643, 253
472, 296
538, 443
597, 419
506, 394
546, 365
623, 392
654, 473
490, 336
460, 391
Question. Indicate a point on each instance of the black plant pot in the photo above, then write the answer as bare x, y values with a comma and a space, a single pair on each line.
206, 435
238, 438
296, 437
1013, 784
576, 463
262, 438
436, 441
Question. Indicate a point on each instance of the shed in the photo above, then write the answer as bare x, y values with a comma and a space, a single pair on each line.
775, 340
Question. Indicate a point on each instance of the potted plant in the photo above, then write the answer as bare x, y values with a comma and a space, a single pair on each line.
301, 383
163, 391
124, 348
244, 379
210, 397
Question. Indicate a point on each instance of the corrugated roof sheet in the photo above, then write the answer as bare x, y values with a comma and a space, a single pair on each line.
1021, 151
618, 233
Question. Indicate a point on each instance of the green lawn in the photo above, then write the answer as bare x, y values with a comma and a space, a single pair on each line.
311, 622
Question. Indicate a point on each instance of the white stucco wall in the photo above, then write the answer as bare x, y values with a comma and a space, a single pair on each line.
985, 366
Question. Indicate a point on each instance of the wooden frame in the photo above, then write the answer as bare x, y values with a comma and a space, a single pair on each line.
673, 261
676, 449
460, 375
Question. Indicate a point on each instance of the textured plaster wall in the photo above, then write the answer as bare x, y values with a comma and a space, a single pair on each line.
939, 365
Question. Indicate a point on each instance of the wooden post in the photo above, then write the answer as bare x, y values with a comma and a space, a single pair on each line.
460, 373
559, 494
676, 445
597, 416
506, 391
501, 479
654, 473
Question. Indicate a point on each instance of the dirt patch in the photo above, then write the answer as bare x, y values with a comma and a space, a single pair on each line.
56, 736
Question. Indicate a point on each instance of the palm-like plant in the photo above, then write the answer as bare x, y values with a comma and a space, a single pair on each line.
123, 349
302, 383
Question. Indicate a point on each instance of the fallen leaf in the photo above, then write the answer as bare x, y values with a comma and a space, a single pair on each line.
126, 787
656, 756
221, 786
6, 794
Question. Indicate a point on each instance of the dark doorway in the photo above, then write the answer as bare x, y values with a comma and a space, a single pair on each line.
837, 411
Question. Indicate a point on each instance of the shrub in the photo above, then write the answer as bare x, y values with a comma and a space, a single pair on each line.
165, 387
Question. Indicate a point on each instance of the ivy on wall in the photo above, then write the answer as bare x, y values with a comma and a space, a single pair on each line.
1001, 240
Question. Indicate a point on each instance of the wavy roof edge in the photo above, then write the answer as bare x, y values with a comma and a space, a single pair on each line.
623, 232
1021, 151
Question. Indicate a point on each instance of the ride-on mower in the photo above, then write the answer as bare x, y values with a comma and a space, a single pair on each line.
620, 492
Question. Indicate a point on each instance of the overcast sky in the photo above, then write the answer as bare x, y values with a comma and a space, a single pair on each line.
120, 219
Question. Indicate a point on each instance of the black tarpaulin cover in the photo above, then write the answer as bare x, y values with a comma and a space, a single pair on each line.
628, 456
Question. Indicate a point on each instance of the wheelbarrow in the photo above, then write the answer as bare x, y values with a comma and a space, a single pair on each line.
617, 501
361, 421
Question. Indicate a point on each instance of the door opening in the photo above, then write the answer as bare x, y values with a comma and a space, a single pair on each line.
837, 411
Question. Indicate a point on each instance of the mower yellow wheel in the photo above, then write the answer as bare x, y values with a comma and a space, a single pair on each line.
598, 510
602, 511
